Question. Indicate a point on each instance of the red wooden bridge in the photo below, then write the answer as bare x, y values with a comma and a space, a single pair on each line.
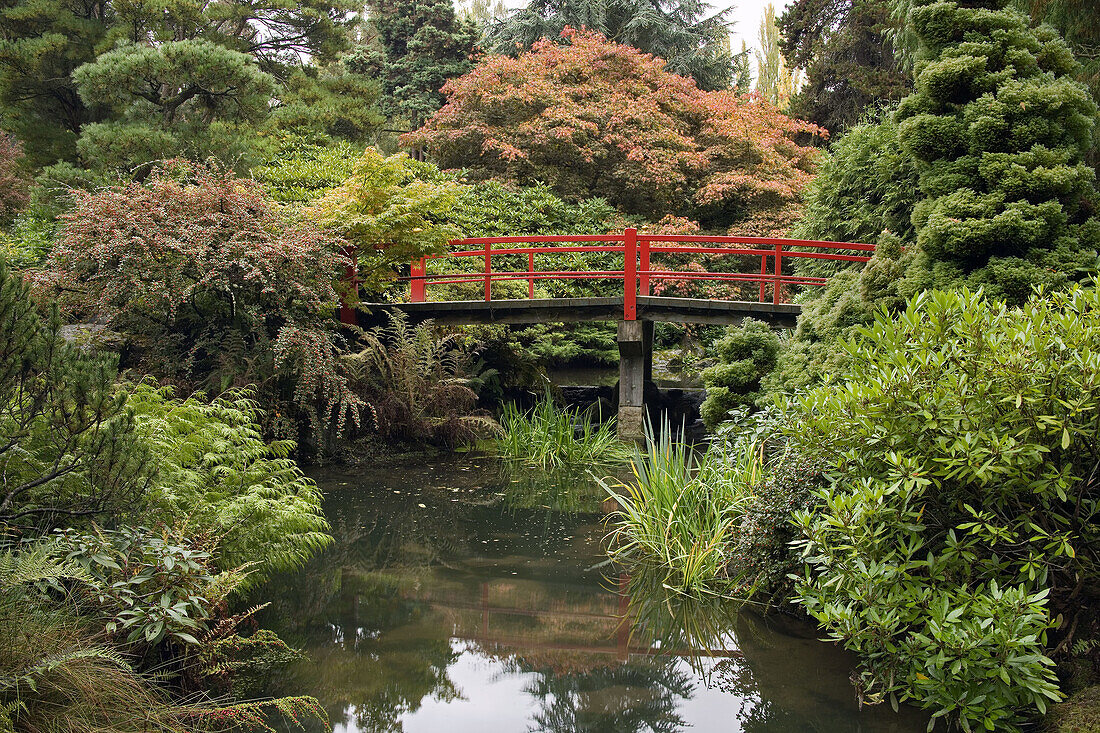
462, 279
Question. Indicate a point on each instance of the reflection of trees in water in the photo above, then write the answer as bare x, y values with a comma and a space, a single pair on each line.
344, 608
628, 698
696, 627
376, 611
375, 651
572, 490
789, 681
374, 655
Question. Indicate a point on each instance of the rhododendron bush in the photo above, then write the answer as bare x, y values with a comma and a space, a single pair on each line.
595, 118
212, 285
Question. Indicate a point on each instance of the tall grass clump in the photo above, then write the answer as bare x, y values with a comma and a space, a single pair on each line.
554, 439
680, 511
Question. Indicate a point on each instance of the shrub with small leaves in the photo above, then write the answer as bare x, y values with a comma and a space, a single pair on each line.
14, 180
746, 354
214, 285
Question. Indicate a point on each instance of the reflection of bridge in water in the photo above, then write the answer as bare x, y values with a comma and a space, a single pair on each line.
649, 261
609, 633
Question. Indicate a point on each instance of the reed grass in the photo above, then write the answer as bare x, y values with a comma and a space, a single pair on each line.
551, 438
681, 509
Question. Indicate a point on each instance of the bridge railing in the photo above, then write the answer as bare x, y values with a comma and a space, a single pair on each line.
638, 273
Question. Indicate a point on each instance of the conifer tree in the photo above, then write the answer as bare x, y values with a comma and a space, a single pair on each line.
846, 52
999, 129
418, 46
68, 451
43, 42
682, 32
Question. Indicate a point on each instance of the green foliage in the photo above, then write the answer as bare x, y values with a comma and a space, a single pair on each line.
175, 98
213, 284
849, 301
330, 101
681, 511
54, 673
417, 46
28, 240
550, 438
691, 42
147, 588
43, 43
761, 550
562, 344
218, 475
70, 70
959, 517
93, 626
850, 66
999, 130
746, 355
67, 448
391, 210
419, 385
492, 209
867, 184
775, 79
301, 170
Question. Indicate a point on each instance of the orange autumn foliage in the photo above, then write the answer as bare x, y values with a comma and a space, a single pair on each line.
595, 118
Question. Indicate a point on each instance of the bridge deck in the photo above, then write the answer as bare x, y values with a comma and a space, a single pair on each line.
650, 308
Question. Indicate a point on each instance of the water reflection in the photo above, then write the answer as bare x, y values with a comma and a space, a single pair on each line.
456, 599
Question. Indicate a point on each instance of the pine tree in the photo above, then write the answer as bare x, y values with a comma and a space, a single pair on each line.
681, 32
176, 98
43, 43
68, 450
999, 129
417, 46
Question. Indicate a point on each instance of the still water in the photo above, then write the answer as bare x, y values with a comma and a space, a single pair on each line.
459, 598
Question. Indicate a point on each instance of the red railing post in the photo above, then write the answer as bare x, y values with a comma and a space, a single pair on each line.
531, 275
644, 275
777, 290
763, 272
416, 281
351, 281
488, 269
630, 274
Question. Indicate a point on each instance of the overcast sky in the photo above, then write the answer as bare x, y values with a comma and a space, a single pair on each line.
746, 16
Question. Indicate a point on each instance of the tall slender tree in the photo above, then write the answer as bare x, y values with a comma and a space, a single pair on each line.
775, 80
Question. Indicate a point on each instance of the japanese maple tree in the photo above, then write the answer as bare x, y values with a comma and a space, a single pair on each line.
595, 118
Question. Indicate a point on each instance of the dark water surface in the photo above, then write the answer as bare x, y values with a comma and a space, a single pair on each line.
459, 599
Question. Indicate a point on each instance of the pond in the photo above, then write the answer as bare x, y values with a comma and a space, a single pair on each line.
461, 598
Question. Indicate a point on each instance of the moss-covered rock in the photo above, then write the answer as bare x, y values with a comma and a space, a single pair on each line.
1079, 714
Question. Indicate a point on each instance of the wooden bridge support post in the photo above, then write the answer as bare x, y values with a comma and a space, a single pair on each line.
635, 369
